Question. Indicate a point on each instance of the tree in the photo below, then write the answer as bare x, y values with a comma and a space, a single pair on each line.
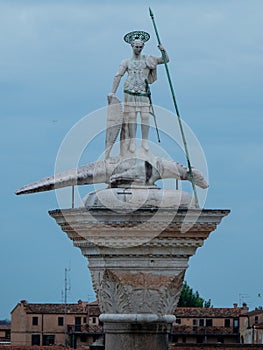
188, 298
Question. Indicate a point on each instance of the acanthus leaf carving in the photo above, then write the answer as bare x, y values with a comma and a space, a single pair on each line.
112, 294
171, 295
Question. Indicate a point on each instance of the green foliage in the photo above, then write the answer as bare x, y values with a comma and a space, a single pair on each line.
188, 298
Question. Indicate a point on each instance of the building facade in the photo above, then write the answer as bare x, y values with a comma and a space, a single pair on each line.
207, 325
5, 334
235, 325
77, 325
251, 330
55, 324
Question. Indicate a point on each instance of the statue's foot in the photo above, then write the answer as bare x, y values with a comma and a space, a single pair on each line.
145, 145
132, 146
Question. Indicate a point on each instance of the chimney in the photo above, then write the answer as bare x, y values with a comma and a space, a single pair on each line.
235, 305
245, 307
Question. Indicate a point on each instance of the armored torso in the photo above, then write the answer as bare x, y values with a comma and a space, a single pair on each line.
138, 71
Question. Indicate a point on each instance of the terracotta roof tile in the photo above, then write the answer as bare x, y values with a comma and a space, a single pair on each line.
177, 329
253, 313
206, 312
54, 308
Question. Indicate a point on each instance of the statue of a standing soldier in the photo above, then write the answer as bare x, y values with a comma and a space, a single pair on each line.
141, 71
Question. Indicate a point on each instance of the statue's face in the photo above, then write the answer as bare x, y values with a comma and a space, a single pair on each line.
137, 46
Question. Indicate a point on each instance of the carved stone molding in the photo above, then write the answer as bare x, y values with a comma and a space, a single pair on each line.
103, 227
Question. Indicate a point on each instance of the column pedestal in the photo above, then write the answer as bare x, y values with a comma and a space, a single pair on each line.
137, 261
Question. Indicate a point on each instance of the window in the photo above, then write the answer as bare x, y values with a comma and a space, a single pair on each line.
195, 325
48, 339
77, 324
94, 320
175, 338
84, 320
35, 321
83, 338
209, 322
178, 321
256, 319
236, 325
35, 339
60, 321
227, 322
201, 322
220, 339
7, 334
200, 339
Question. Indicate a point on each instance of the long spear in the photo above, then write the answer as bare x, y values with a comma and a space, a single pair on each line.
148, 92
177, 111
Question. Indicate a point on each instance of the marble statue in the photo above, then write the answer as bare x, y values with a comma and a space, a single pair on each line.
141, 71
132, 167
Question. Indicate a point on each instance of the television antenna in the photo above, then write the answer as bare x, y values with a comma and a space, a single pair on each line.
66, 290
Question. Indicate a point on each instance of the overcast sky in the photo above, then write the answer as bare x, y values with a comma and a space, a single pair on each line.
57, 62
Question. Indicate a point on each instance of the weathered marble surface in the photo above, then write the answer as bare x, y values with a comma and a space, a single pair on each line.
144, 169
138, 331
135, 197
137, 262
115, 124
138, 259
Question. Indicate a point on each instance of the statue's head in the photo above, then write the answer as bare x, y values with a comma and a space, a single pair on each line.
137, 46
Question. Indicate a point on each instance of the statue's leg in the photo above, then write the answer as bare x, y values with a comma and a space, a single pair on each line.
132, 131
145, 130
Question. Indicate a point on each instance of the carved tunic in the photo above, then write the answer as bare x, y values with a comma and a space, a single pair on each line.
138, 70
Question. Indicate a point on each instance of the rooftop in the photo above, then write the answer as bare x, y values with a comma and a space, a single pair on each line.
54, 308
207, 312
